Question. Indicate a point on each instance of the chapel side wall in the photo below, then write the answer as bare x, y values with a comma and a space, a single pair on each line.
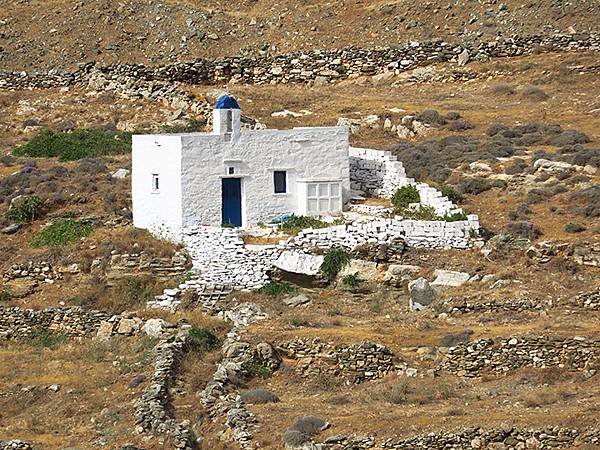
303, 153
159, 212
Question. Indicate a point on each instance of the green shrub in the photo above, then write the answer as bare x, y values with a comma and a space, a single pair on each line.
456, 217
61, 232
335, 260
422, 213
452, 194
5, 295
353, 280
78, 144
204, 339
574, 228
275, 289
298, 322
294, 223
26, 210
45, 339
404, 196
256, 369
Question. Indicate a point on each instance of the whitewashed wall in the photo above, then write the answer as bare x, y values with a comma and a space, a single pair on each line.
159, 212
302, 152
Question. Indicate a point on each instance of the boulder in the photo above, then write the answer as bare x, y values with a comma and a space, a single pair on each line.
267, 356
296, 300
399, 273
449, 278
298, 262
463, 58
367, 270
128, 326
120, 173
154, 327
421, 294
105, 330
258, 396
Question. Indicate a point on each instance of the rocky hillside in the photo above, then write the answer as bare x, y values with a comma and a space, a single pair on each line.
59, 34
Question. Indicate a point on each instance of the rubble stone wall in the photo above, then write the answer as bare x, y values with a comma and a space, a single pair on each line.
19, 323
302, 67
472, 358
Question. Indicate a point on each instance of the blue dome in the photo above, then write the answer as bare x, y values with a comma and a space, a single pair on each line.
227, 102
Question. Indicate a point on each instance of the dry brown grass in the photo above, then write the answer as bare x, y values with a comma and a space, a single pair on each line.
93, 378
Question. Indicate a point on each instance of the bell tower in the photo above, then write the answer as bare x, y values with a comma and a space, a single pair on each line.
226, 117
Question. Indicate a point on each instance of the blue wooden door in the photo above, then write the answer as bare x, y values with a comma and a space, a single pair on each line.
231, 193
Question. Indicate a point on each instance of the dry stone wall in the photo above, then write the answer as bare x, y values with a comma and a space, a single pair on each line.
473, 358
123, 265
320, 66
15, 444
20, 324
475, 438
357, 363
152, 410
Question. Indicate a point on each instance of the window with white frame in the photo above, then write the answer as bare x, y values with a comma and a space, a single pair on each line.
155, 183
323, 197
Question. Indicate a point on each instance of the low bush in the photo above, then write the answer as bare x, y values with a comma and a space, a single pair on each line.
78, 144
421, 213
534, 93
404, 196
455, 217
502, 89
298, 322
275, 289
460, 125
294, 223
518, 166
353, 280
474, 186
203, 339
61, 232
335, 260
45, 339
431, 117
525, 230
574, 228
521, 212
26, 210
5, 295
256, 369
448, 191
258, 397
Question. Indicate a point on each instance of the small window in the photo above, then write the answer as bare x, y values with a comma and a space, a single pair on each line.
279, 178
229, 121
231, 170
155, 183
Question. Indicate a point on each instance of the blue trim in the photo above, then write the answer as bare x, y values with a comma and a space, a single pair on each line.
231, 193
227, 102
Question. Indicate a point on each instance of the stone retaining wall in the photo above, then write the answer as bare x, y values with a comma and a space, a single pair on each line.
356, 363
19, 323
475, 438
15, 444
416, 233
473, 358
123, 265
321, 66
